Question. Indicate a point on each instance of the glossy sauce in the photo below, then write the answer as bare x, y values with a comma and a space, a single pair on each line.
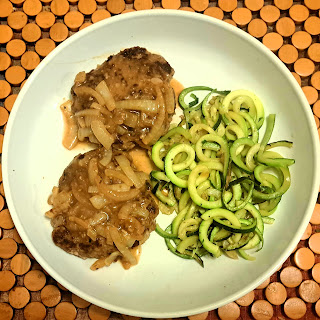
70, 128
177, 87
136, 251
70, 140
81, 226
142, 161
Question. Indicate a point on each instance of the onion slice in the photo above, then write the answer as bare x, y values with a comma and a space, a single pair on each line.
169, 99
118, 196
87, 91
107, 158
98, 201
104, 91
147, 106
70, 135
88, 112
118, 175
124, 164
156, 130
102, 134
116, 238
93, 172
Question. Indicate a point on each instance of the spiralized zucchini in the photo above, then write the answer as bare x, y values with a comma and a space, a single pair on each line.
214, 174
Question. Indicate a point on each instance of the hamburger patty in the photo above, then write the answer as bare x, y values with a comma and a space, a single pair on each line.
128, 74
132, 74
80, 227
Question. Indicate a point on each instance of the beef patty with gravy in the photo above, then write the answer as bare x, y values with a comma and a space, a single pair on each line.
98, 212
125, 101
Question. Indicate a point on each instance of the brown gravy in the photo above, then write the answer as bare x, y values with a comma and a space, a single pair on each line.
70, 128
136, 251
177, 87
70, 137
142, 161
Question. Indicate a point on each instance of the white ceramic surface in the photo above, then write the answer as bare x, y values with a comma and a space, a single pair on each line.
203, 51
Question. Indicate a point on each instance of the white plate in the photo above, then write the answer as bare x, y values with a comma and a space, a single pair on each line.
203, 51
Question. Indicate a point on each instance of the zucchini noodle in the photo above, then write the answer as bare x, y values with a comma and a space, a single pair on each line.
215, 175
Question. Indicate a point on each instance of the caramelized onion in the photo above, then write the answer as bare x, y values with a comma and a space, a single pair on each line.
107, 157
81, 122
84, 133
98, 218
87, 112
141, 212
92, 234
131, 120
116, 238
102, 134
93, 189
120, 187
87, 91
124, 164
118, 196
100, 263
118, 175
169, 99
70, 136
93, 173
104, 91
143, 176
93, 139
147, 106
125, 210
98, 201
82, 223
102, 109
112, 257
156, 129
88, 120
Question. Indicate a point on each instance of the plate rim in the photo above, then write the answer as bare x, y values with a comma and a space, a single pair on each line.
191, 16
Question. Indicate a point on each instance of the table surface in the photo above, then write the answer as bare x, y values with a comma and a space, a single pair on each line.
30, 29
